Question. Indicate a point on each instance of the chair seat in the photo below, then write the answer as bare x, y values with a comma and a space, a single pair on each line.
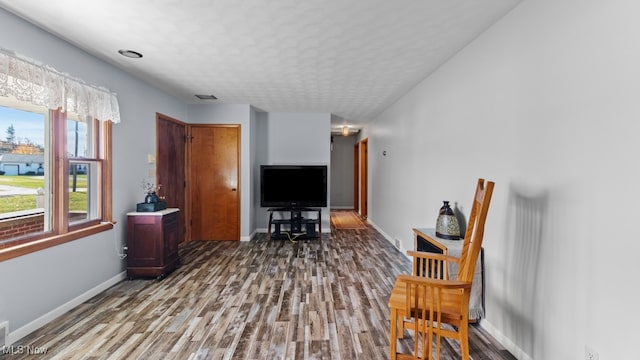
451, 303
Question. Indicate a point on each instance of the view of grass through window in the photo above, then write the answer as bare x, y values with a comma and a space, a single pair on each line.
23, 164
22, 160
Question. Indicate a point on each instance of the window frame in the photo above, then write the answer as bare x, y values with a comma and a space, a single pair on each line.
61, 231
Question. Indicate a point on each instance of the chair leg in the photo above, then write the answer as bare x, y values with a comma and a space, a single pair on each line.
428, 343
393, 337
438, 339
464, 341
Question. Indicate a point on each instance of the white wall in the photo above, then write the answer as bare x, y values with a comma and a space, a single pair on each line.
294, 139
254, 175
545, 103
35, 285
261, 158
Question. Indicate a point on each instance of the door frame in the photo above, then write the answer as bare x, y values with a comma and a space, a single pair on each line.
364, 174
356, 177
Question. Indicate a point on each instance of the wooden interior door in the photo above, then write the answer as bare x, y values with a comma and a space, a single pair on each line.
214, 175
364, 156
170, 166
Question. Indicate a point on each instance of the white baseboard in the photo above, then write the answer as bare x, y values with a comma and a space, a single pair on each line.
27, 329
505, 341
389, 238
250, 237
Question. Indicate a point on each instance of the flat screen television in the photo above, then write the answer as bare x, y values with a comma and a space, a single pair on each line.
293, 186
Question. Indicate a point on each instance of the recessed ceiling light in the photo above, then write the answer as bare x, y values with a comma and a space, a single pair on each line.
206, 97
130, 53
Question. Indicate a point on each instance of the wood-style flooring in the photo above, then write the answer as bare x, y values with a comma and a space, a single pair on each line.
249, 300
346, 220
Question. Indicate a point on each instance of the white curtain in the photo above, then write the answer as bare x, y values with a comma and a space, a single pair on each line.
41, 85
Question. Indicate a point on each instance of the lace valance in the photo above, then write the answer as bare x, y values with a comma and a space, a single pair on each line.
41, 85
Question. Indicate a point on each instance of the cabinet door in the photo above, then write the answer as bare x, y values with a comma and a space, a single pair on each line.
170, 228
145, 248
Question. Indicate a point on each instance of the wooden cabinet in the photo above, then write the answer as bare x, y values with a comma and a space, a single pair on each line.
152, 243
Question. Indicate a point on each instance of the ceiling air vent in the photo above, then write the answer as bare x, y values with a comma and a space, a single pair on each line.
206, 97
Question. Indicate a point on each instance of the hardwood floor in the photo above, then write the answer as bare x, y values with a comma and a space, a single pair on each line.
249, 300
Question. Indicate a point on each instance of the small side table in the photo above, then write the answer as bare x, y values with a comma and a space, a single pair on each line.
425, 239
152, 243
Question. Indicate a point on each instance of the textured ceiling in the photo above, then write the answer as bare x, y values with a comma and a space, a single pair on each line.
351, 58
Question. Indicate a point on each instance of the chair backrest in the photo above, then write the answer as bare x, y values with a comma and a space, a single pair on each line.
475, 230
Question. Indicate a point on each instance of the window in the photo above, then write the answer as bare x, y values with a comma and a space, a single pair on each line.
84, 170
54, 174
56, 156
24, 181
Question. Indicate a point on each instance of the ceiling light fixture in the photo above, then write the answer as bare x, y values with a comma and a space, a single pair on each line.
206, 97
130, 53
345, 130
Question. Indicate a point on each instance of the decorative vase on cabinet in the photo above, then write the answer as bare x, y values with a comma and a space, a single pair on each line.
447, 226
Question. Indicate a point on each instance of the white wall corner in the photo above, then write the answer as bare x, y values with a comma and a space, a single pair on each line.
250, 237
62, 309
390, 239
504, 341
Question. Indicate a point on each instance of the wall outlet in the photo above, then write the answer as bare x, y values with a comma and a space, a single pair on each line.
4, 333
590, 354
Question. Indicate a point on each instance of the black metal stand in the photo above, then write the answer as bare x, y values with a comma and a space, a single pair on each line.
298, 226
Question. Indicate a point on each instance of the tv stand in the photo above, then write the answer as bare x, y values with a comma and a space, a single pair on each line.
297, 226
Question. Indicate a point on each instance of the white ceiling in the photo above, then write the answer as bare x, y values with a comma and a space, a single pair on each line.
351, 58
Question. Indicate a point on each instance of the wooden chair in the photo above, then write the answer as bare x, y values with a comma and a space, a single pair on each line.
427, 300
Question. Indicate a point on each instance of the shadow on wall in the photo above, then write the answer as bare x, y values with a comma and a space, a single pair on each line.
527, 210
462, 221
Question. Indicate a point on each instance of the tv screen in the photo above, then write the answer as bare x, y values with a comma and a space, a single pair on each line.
293, 186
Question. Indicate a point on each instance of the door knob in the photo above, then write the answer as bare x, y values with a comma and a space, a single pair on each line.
234, 189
